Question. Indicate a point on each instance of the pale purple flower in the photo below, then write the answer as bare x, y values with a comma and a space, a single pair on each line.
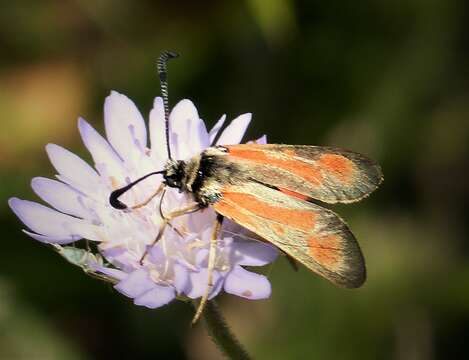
176, 265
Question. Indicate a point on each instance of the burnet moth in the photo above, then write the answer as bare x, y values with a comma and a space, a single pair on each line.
269, 189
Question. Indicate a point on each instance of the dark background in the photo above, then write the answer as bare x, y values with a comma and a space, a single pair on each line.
386, 78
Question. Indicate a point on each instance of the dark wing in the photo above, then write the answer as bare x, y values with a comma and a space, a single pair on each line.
327, 174
315, 236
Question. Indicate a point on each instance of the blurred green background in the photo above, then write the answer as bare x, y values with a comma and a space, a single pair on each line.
386, 78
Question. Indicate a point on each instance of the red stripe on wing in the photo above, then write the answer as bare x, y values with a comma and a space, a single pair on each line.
294, 194
326, 250
338, 166
257, 155
300, 219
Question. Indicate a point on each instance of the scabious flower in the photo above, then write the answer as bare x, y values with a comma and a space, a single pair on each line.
177, 264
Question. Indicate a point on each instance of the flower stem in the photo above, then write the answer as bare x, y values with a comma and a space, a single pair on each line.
221, 334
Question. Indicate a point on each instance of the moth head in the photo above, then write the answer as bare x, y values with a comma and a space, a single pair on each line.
174, 172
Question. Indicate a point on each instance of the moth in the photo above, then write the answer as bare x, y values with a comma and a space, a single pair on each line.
272, 191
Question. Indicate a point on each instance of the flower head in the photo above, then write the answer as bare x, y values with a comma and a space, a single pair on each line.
126, 253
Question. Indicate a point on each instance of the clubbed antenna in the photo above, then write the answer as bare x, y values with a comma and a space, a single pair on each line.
163, 74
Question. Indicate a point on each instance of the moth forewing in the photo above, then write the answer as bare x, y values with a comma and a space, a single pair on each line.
327, 174
315, 236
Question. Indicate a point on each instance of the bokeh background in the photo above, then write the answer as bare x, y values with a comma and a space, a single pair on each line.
386, 78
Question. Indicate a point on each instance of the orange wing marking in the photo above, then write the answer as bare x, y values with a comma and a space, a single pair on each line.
238, 216
325, 250
279, 230
295, 194
339, 165
304, 170
300, 219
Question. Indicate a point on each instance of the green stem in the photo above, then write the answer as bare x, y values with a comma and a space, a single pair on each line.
221, 334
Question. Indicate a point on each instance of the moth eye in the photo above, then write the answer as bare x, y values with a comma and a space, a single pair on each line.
222, 148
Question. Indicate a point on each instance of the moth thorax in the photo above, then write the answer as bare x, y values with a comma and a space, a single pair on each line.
192, 174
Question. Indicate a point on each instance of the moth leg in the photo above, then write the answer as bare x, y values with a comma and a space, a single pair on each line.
211, 265
156, 193
166, 221
161, 188
176, 230
167, 218
183, 211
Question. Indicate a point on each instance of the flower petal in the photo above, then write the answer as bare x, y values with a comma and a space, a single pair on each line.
73, 168
51, 223
235, 131
114, 273
217, 286
188, 132
181, 279
262, 140
103, 154
158, 130
216, 128
61, 196
137, 283
62, 240
156, 297
201, 258
247, 284
199, 282
124, 124
120, 256
253, 253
